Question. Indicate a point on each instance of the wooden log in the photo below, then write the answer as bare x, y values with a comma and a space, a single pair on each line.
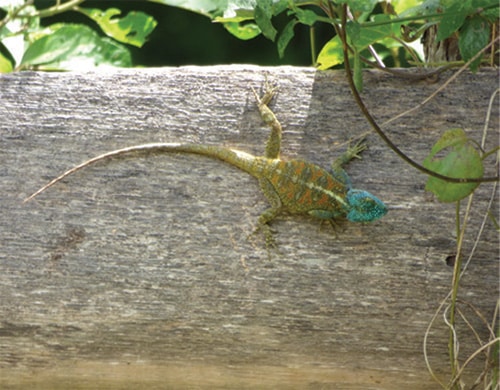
140, 270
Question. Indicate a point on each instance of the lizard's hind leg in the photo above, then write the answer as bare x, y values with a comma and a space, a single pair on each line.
273, 144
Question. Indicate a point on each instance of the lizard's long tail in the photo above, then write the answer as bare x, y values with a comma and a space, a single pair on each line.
242, 160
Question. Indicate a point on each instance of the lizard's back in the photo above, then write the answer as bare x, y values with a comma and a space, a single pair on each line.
303, 186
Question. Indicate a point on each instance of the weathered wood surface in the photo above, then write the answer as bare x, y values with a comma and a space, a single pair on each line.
140, 270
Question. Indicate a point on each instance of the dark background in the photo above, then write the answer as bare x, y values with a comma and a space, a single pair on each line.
186, 38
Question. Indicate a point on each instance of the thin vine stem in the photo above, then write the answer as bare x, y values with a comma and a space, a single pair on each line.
380, 132
57, 9
15, 13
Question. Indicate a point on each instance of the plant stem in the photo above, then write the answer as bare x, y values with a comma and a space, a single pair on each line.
312, 41
454, 293
57, 9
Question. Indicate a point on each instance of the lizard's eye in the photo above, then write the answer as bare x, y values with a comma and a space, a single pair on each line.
364, 207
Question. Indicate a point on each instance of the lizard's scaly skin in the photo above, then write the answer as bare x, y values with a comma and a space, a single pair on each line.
293, 186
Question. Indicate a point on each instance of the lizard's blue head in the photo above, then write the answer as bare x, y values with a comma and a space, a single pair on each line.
364, 207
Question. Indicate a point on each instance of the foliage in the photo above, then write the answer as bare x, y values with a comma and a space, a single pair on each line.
389, 25
24, 44
463, 160
67, 46
376, 30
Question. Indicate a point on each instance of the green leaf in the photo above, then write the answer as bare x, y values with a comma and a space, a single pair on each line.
462, 160
353, 30
362, 5
6, 65
491, 12
364, 35
305, 16
132, 29
358, 72
474, 36
263, 13
418, 8
453, 18
7, 60
331, 54
285, 37
211, 8
280, 5
484, 3
73, 46
243, 31
406, 6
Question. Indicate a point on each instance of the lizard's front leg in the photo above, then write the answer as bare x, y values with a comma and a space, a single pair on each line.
269, 214
352, 152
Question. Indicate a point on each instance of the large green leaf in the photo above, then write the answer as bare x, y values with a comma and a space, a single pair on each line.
453, 18
238, 13
331, 54
6, 65
285, 37
263, 14
132, 29
474, 36
460, 161
74, 46
362, 36
305, 16
406, 8
243, 31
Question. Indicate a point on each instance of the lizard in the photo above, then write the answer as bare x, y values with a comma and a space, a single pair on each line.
293, 186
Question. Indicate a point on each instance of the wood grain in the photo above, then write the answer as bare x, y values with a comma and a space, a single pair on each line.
144, 262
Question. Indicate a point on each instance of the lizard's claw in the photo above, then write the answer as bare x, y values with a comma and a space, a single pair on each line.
268, 233
351, 153
270, 91
355, 151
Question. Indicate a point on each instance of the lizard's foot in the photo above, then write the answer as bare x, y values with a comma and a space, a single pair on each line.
352, 152
334, 224
268, 236
356, 150
270, 91
336, 227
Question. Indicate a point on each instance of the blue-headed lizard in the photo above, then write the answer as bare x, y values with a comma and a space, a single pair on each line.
293, 186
